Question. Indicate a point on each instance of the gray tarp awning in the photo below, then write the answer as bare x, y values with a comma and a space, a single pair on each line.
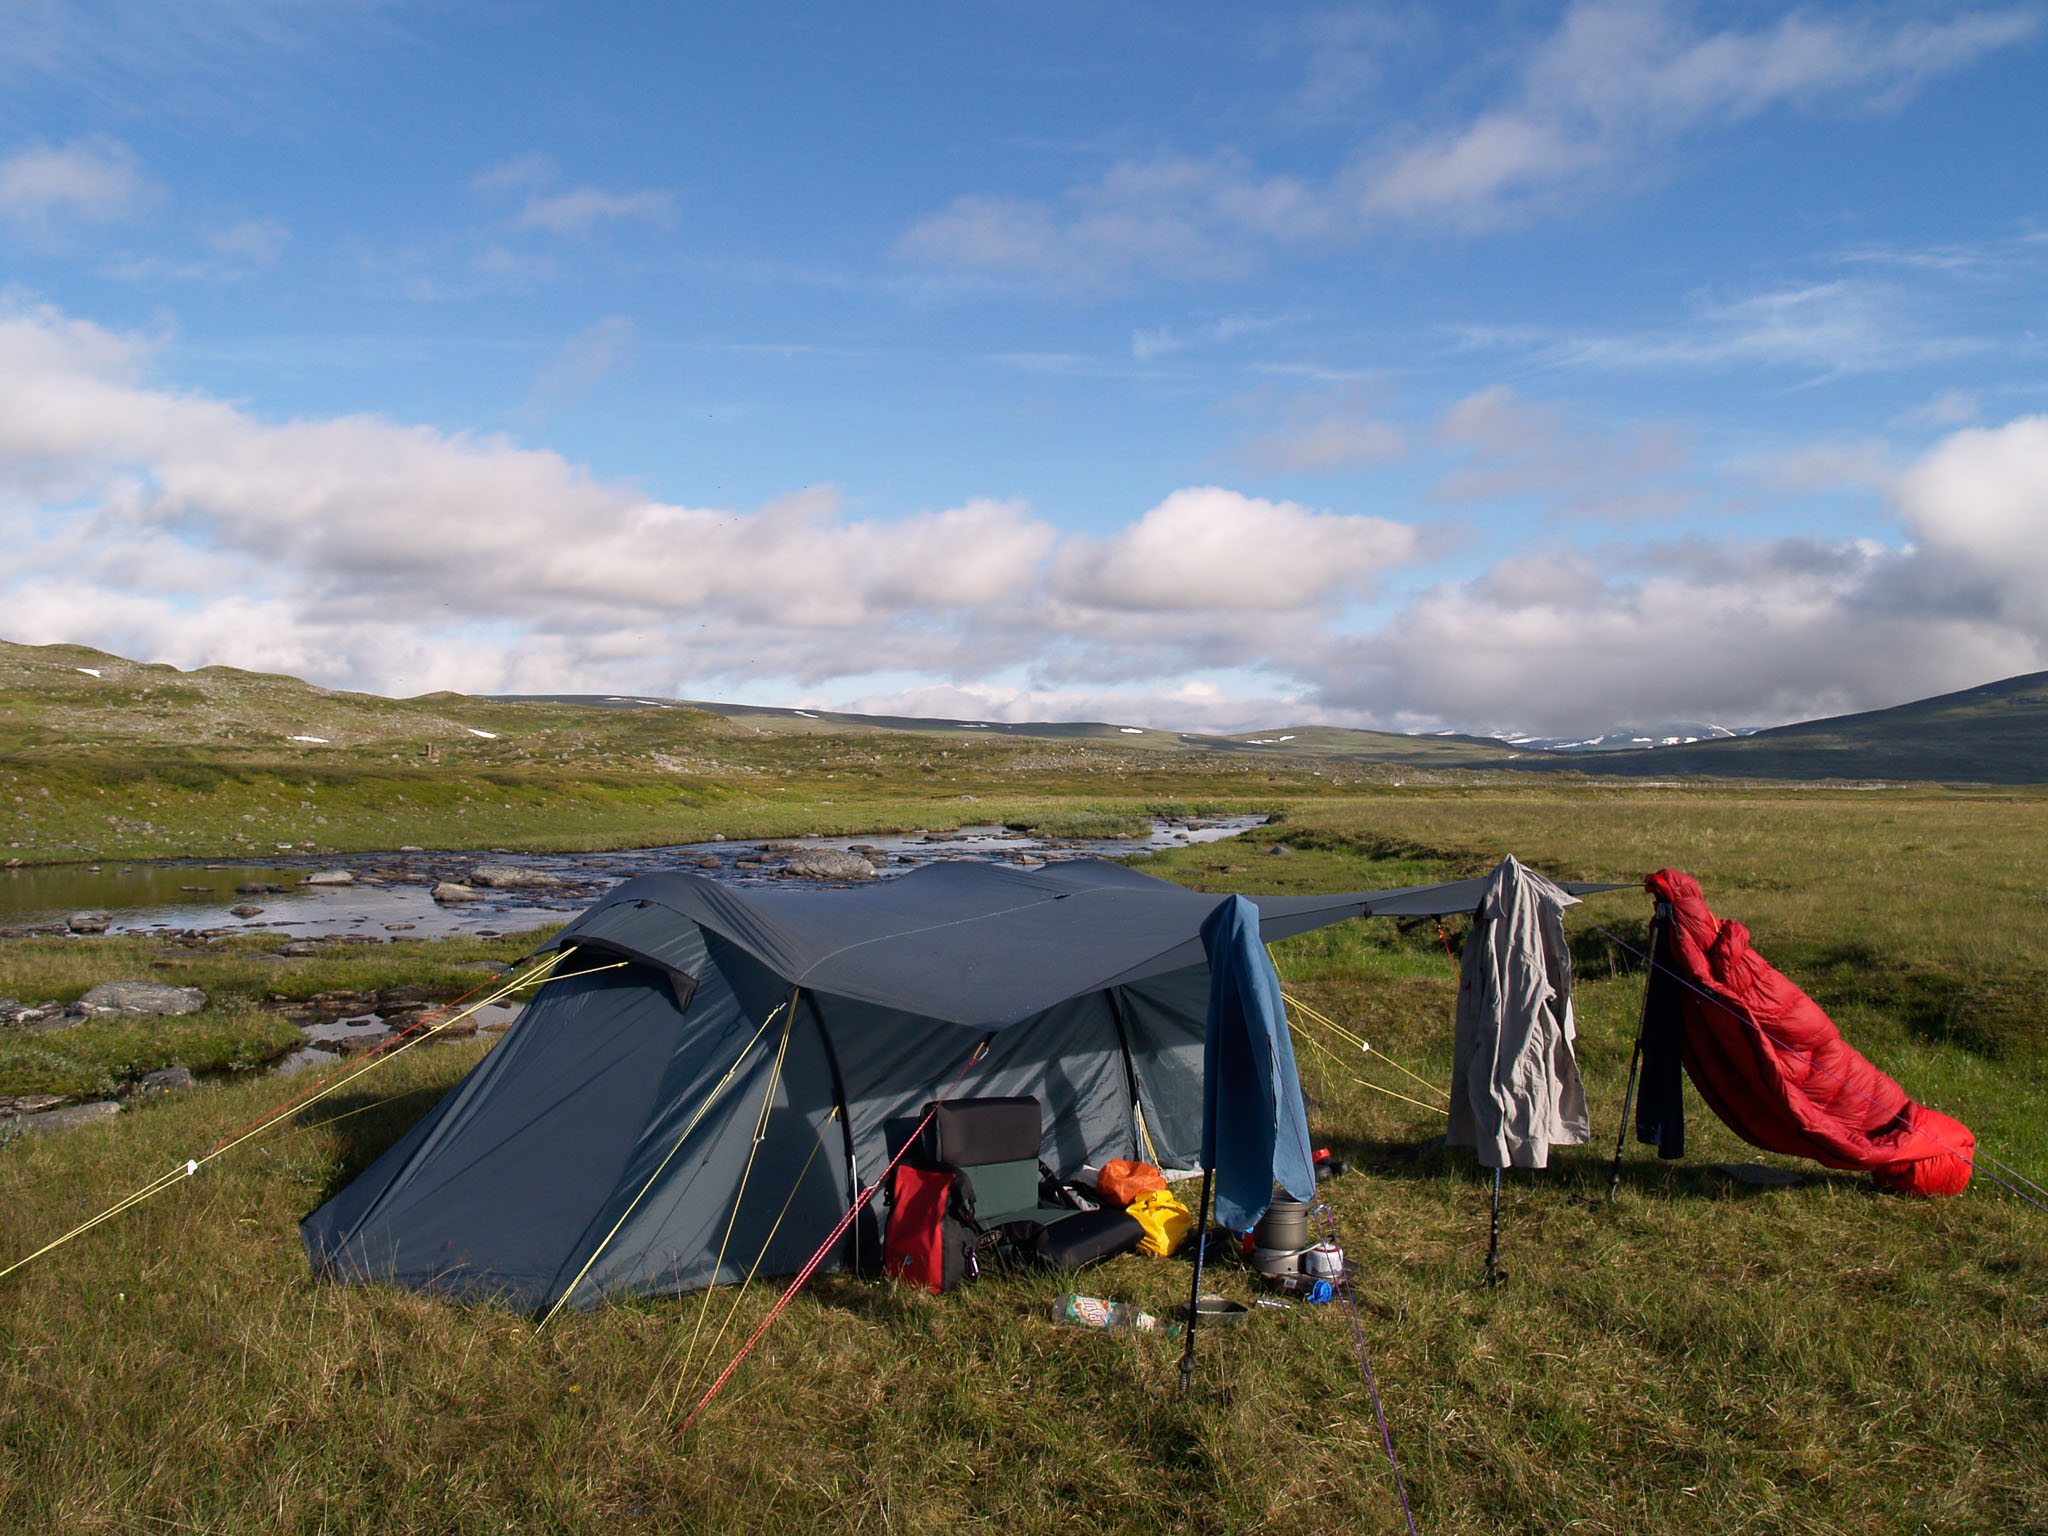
982, 945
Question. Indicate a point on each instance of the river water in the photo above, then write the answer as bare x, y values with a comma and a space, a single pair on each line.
391, 894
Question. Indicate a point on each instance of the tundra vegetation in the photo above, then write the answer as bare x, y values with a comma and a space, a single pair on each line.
1701, 1355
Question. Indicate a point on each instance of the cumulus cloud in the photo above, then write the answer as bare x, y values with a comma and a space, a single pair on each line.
47, 189
1595, 105
166, 524
1210, 548
373, 544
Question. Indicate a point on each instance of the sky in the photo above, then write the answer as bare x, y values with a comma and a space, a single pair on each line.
1516, 368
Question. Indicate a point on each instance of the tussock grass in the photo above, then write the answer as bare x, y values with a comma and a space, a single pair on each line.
1699, 1356
103, 1057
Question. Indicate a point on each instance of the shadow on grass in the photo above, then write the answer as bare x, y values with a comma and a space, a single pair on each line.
1583, 1170
365, 1126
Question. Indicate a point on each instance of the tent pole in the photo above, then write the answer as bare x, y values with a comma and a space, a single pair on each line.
1495, 1275
1187, 1357
1635, 1060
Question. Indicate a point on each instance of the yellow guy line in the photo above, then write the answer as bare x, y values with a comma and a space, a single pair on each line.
739, 1294
192, 1166
1364, 1045
709, 1100
739, 1198
1434, 1109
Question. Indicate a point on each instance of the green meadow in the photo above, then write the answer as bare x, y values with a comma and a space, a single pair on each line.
1699, 1355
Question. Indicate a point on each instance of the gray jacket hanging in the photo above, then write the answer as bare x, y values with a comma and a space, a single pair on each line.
1515, 1088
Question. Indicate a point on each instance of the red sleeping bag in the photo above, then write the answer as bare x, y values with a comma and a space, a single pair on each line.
1772, 1065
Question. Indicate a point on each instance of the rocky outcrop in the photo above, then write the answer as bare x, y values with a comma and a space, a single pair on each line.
510, 877
142, 997
828, 864
71, 1116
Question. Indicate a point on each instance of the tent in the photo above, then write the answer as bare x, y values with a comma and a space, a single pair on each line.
720, 1069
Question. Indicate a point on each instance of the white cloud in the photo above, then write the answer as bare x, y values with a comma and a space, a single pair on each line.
1175, 213
1837, 327
1978, 503
521, 173
165, 524
47, 189
575, 212
256, 241
1516, 447
1622, 77
1210, 548
1947, 408
585, 359
1596, 105
1327, 432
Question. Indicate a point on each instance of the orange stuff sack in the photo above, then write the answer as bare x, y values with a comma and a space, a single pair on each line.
1121, 1181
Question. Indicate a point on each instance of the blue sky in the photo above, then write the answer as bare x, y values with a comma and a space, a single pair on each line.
1528, 368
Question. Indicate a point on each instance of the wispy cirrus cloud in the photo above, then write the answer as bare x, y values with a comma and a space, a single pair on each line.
49, 190
1598, 103
570, 211
1840, 325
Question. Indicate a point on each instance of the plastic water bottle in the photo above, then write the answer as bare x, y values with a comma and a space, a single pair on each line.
1094, 1312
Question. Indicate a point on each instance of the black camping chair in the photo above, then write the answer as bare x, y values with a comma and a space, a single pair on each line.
995, 1142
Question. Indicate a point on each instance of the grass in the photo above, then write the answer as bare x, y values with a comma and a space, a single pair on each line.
1700, 1356
236, 1032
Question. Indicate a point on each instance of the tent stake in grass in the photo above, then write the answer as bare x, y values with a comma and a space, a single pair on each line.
1495, 1275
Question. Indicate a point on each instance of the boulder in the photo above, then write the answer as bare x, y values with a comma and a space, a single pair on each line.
449, 891
259, 888
330, 877
1280, 851
782, 845
245, 909
828, 864
168, 1080
142, 997
89, 922
70, 1116
509, 877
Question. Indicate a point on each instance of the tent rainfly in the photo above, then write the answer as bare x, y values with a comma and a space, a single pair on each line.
720, 1069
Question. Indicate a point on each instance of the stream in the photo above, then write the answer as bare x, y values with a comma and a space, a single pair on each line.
390, 894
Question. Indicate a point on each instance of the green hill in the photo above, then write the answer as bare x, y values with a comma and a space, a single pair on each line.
1994, 734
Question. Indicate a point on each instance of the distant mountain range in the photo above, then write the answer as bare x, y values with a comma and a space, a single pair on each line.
73, 702
1996, 733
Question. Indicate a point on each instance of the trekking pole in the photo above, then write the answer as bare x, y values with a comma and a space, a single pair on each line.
1495, 1275
1636, 1059
1187, 1356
